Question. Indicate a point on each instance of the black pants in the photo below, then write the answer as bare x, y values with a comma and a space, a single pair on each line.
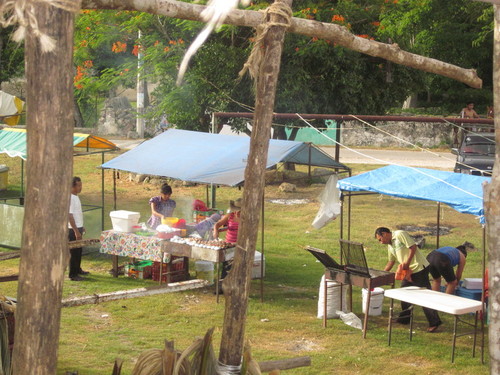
75, 259
420, 279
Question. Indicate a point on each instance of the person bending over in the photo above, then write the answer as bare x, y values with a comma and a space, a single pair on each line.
441, 263
402, 248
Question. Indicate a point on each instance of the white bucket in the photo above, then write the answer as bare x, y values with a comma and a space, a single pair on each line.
204, 271
376, 301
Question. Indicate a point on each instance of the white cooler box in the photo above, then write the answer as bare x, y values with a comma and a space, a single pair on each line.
123, 221
256, 263
472, 283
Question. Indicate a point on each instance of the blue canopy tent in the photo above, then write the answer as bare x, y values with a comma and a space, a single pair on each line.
211, 158
462, 192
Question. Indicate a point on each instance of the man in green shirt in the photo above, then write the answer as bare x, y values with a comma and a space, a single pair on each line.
403, 249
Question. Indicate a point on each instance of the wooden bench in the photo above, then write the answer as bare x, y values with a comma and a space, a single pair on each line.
442, 302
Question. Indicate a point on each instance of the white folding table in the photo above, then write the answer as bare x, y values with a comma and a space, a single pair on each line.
442, 302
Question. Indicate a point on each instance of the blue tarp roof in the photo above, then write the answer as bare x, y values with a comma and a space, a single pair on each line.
462, 192
211, 158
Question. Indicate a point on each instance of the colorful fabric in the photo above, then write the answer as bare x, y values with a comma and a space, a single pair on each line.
232, 229
131, 245
166, 208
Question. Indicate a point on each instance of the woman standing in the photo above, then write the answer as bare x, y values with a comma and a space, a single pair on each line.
161, 206
230, 222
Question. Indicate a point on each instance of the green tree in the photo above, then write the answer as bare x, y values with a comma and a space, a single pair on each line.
458, 32
11, 56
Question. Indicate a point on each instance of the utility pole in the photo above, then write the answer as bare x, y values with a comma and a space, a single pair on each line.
140, 123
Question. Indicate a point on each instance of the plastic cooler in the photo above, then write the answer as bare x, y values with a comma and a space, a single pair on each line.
123, 221
4, 177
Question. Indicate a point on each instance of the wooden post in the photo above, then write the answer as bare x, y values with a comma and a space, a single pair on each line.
44, 251
237, 284
492, 211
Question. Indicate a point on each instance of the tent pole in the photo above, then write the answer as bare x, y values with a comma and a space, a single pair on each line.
438, 225
102, 192
22, 182
262, 251
349, 217
309, 163
483, 294
114, 189
212, 186
337, 141
341, 215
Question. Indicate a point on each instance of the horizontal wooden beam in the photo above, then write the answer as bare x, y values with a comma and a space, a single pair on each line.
134, 293
285, 364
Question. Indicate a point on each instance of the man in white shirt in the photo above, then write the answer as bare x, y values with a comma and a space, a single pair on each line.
76, 231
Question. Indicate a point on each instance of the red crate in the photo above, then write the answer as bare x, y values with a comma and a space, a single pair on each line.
177, 269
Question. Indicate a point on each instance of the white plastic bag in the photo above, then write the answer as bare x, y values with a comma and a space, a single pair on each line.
330, 203
350, 319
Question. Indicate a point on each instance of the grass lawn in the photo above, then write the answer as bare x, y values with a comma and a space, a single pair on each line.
284, 325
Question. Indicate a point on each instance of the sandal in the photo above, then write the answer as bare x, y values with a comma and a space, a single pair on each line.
434, 328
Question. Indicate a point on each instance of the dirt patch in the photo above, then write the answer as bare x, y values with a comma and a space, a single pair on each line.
429, 230
303, 345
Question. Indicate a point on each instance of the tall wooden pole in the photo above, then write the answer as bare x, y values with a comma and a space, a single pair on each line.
492, 210
44, 251
237, 283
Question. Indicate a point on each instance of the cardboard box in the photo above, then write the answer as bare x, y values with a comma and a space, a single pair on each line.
123, 221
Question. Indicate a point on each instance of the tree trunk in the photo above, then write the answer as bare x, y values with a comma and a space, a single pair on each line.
237, 283
44, 251
79, 123
328, 31
492, 211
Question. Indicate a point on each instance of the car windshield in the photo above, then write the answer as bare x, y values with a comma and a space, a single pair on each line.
479, 149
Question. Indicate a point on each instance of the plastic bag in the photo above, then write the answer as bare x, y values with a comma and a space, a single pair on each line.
350, 319
330, 203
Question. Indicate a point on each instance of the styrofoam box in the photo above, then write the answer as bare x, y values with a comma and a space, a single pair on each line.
472, 283
256, 265
123, 221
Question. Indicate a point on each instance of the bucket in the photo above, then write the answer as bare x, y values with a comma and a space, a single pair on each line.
170, 221
204, 271
376, 300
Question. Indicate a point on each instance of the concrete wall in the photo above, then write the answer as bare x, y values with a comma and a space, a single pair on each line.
428, 135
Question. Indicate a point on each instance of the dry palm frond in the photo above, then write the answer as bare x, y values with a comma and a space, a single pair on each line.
150, 362
117, 368
198, 359
5, 365
249, 366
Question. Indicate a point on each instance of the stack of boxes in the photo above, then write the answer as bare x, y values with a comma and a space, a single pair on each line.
177, 270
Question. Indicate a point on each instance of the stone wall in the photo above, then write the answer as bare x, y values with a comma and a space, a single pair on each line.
117, 117
427, 135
